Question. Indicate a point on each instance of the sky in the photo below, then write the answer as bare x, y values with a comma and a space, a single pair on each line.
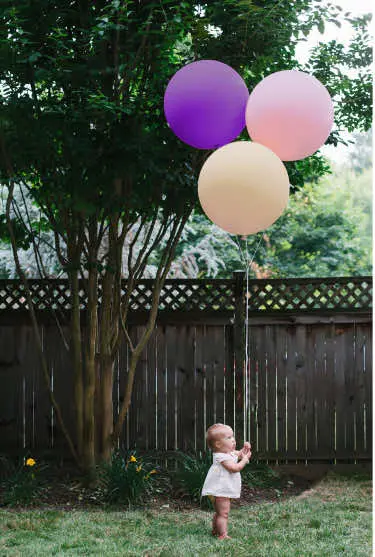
343, 34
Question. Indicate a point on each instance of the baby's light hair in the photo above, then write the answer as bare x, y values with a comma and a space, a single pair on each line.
211, 435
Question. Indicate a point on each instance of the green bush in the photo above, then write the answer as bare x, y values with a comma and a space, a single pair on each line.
7, 468
21, 484
128, 478
260, 475
190, 475
192, 470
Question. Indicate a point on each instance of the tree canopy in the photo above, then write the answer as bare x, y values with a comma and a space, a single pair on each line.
83, 85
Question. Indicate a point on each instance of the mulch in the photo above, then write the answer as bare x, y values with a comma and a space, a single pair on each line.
62, 492
288, 486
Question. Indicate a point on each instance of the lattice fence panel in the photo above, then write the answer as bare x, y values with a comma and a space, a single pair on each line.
289, 295
189, 295
311, 295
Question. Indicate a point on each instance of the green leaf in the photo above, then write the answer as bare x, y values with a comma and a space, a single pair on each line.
321, 27
34, 57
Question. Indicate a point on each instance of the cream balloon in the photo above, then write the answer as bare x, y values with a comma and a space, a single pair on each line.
243, 187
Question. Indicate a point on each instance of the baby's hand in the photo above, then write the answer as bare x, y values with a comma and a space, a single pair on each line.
246, 449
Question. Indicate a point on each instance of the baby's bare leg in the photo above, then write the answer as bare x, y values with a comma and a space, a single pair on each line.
222, 506
214, 532
214, 529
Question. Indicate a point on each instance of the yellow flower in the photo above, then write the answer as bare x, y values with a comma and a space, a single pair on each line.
133, 459
139, 468
153, 472
30, 462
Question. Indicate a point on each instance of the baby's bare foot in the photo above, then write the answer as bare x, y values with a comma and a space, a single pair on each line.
224, 537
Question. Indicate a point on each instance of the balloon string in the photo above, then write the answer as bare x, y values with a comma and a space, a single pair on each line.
247, 378
243, 258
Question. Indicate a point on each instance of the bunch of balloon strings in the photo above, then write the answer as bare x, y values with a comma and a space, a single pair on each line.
247, 261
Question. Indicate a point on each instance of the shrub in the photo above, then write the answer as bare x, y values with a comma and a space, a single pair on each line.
260, 475
22, 484
190, 475
192, 470
6, 468
127, 479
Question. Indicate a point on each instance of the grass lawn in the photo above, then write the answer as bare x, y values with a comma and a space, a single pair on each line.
333, 518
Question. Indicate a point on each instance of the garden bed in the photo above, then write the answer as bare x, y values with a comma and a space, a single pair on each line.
63, 489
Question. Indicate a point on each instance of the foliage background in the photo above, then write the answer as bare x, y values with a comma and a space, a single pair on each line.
326, 231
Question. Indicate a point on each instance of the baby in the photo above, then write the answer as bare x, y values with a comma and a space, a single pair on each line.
223, 481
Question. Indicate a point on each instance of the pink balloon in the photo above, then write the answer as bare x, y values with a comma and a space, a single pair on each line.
291, 113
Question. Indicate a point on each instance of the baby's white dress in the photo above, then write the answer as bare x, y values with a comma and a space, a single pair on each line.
219, 481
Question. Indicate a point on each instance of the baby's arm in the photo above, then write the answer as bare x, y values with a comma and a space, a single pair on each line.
235, 466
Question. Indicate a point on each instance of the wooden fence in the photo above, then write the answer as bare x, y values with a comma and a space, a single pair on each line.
304, 396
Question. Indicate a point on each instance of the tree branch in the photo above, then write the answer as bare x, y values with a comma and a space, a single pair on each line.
159, 282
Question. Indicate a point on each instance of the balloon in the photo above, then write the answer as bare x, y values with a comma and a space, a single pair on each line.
205, 104
243, 187
290, 112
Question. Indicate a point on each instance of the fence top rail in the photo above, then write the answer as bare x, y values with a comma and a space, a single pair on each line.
207, 295
229, 281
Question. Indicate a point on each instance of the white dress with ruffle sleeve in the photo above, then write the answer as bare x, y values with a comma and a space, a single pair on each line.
219, 481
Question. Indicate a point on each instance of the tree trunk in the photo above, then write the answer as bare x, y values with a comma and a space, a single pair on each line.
108, 328
106, 409
104, 399
90, 374
76, 344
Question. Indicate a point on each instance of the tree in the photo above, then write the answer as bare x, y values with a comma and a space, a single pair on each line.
82, 130
319, 235
361, 152
34, 239
325, 231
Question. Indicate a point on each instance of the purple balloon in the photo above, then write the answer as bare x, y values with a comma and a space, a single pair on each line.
205, 104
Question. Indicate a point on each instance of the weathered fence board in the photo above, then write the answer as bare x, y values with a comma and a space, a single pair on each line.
251, 433
329, 430
271, 389
320, 390
281, 374
229, 404
363, 369
161, 381
291, 393
310, 401
261, 442
200, 388
11, 390
208, 366
302, 359
219, 335
152, 375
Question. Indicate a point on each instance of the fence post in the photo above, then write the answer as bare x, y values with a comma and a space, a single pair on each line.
239, 354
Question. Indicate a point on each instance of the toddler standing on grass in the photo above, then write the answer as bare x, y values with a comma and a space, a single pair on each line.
223, 481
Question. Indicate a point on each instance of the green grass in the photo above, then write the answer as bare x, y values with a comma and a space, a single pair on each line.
332, 519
